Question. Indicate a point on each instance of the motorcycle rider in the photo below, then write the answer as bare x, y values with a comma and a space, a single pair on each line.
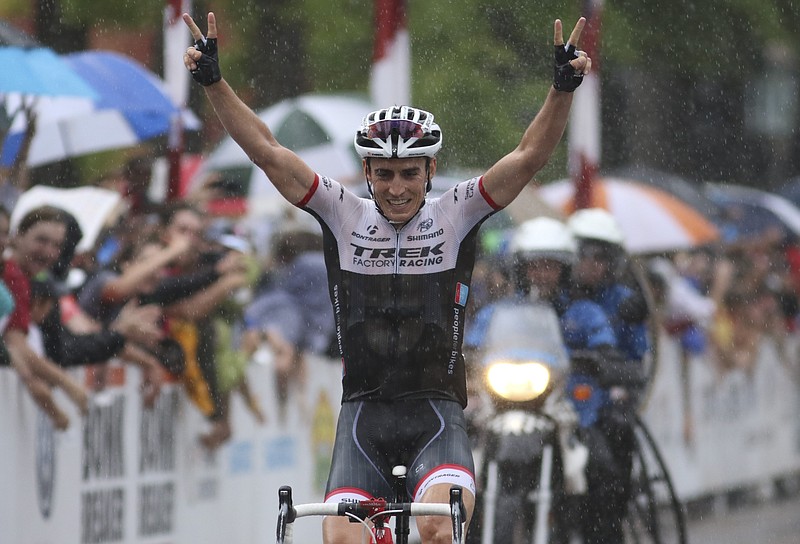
596, 276
543, 251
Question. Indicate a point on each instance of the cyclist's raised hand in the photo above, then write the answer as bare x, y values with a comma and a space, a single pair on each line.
202, 59
571, 64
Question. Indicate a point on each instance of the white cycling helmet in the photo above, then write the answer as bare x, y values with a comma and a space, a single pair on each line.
398, 132
544, 238
596, 224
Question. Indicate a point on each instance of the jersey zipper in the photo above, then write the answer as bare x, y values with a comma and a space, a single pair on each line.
396, 289
397, 251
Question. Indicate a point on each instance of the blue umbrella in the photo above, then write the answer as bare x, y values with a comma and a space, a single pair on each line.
132, 106
751, 211
126, 86
38, 71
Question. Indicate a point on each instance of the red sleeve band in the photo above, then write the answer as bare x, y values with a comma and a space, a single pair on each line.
486, 196
310, 193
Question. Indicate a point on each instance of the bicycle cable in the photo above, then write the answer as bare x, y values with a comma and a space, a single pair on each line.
366, 529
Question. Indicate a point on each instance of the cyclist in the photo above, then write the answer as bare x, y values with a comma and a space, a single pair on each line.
399, 268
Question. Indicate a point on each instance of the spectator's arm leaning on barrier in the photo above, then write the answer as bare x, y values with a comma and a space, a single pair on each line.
38, 387
99, 347
134, 324
69, 348
172, 289
153, 374
40, 374
139, 324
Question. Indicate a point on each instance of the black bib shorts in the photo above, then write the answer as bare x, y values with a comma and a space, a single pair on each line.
428, 436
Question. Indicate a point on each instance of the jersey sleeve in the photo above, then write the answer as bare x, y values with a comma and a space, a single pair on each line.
467, 204
330, 201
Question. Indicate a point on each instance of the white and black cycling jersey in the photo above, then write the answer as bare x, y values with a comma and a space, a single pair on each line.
399, 295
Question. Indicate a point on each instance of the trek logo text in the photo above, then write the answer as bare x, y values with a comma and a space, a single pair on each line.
387, 257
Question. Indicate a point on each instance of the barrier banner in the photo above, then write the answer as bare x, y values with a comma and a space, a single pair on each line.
126, 474
123, 473
720, 430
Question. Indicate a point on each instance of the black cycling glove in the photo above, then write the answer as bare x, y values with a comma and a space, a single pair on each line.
207, 71
564, 77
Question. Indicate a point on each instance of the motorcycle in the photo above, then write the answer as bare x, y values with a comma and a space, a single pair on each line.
536, 404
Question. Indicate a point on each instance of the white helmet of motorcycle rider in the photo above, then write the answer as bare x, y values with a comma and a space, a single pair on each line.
544, 237
543, 249
596, 224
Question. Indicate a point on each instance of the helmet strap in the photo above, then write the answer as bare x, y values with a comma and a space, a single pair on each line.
428, 182
369, 171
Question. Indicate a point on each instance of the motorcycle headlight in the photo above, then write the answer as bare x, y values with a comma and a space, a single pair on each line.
518, 382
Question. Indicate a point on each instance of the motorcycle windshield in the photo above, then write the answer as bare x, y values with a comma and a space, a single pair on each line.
525, 331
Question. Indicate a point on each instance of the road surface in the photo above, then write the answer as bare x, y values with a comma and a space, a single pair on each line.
771, 522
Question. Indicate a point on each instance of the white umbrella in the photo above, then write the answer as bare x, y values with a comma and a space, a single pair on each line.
652, 220
70, 127
94, 208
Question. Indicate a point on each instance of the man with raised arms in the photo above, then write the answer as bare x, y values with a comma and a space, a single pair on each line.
399, 267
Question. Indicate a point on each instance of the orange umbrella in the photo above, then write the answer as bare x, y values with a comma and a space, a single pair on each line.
652, 220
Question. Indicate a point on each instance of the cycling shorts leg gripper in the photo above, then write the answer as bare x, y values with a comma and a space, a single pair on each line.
446, 474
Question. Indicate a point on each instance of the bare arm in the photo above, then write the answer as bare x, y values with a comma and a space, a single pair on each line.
202, 303
153, 374
30, 363
125, 286
287, 172
504, 181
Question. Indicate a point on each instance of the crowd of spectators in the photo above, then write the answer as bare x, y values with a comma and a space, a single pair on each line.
167, 287
720, 301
